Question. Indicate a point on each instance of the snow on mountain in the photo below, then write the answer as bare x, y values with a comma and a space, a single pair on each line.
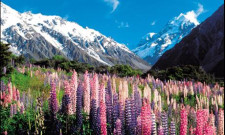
153, 45
39, 36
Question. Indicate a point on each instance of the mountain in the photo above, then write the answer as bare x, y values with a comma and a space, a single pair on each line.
153, 45
39, 36
204, 46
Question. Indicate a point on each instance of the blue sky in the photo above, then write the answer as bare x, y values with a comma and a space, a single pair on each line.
126, 21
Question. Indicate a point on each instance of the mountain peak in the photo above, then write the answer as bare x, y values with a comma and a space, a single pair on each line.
153, 45
40, 36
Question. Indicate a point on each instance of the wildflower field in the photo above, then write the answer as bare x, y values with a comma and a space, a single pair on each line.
41, 101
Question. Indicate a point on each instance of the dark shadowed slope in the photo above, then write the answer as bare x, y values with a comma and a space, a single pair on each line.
204, 46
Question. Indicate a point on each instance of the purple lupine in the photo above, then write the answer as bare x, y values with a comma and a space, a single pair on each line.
98, 123
154, 130
11, 110
134, 113
109, 107
138, 127
115, 114
117, 130
164, 123
79, 116
121, 116
14, 109
22, 109
137, 100
93, 116
53, 103
129, 123
172, 128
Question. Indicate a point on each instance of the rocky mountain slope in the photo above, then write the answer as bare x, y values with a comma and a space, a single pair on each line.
38, 36
204, 46
154, 45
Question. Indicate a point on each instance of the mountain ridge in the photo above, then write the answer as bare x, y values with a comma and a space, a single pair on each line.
39, 36
153, 45
204, 47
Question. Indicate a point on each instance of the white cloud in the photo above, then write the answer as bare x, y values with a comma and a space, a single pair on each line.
153, 23
113, 3
200, 9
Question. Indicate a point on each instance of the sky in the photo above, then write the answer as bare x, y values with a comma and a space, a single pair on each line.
126, 21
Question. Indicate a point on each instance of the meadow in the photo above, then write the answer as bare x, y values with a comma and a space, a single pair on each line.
39, 101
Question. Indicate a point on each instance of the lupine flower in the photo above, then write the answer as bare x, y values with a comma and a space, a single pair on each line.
137, 100
221, 122
117, 130
200, 122
129, 123
14, 109
93, 116
95, 89
164, 123
115, 113
183, 121
22, 108
160, 130
109, 107
172, 128
11, 110
138, 127
79, 116
209, 130
67, 106
121, 116
154, 130
73, 84
86, 93
146, 119
53, 103
103, 118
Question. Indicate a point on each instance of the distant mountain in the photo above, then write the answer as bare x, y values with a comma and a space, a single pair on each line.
153, 45
204, 46
39, 36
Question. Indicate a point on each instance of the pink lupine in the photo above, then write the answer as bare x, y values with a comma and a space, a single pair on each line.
200, 122
160, 130
5, 133
221, 122
73, 89
18, 94
9, 98
209, 130
183, 121
95, 89
103, 118
68, 94
102, 92
146, 119
86, 93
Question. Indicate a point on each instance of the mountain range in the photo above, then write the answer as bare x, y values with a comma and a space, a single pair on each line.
204, 47
39, 36
153, 45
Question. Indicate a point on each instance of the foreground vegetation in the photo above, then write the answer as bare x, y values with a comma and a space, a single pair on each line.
58, 96
37, 100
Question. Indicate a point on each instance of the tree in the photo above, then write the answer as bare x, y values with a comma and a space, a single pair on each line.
4, 57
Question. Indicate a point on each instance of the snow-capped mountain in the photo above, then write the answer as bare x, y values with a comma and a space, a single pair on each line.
39, 36
204, 47
153, 45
